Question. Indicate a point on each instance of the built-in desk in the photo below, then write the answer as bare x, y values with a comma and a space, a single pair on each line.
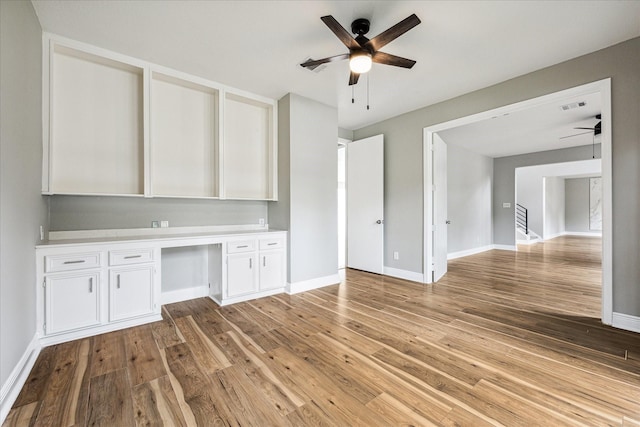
89, 286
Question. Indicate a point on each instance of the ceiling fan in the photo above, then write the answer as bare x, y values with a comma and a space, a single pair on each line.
597, 129
364, 51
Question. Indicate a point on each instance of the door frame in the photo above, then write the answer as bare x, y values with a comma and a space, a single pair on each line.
601, 86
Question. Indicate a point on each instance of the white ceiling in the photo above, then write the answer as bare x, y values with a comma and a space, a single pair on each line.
460, 46
539, 128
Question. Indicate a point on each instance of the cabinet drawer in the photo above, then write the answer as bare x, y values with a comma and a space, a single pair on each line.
241, 246
130, 256
275, 243
69, 262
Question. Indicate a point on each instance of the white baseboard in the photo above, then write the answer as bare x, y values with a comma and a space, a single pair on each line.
528, 242
308, 285
11, 388
626, 322
505, 247
170, 297
583, 233
248, 297
553, 236
403, 274
467, 252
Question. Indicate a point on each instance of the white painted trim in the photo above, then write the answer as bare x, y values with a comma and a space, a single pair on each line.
308, 285
248, 297
427, 204
131, 232
403, 274
626, 322
505, 247
583, 233
601, 86
93, 330
178, 295
553, 236
12, 386
467, 252
607, 202
527, 242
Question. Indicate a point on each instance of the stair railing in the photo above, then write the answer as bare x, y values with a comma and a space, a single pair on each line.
522, 218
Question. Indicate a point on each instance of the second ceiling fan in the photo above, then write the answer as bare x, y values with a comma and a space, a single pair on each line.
364, 51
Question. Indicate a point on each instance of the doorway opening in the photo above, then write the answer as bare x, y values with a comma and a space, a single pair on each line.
603, 90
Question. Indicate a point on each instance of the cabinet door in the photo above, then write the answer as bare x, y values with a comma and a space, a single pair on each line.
130, 292
271, 270
241, 274
72, 302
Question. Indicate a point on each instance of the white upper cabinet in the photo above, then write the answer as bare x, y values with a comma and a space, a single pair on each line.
116, 125
96, 138
249, 148
184, 138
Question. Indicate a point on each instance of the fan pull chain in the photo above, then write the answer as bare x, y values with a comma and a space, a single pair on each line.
367, 91
593, 146
352, 97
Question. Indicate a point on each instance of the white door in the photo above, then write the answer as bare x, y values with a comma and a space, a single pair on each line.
365, 204
440, 221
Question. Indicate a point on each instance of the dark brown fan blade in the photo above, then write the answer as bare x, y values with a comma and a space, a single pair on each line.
392, 33
388, 59
586, 128
340, 32
353, 78
313, 63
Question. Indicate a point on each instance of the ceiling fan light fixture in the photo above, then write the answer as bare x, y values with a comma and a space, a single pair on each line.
360, 62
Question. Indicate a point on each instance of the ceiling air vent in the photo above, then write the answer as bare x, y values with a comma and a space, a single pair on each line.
573, 105
316, 68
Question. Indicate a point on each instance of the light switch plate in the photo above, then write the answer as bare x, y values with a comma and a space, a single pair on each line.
164, 224
155, 224
506, 205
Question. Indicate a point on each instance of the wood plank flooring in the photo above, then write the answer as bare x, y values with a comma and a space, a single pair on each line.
506, 338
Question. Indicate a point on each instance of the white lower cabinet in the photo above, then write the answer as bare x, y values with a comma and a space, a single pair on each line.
130, 292
242, 277
91, 287
72, 301
255, 266
271, 270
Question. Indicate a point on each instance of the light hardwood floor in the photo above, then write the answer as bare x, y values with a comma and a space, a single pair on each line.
505, 338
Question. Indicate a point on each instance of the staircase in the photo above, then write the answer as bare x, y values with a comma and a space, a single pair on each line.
524, 236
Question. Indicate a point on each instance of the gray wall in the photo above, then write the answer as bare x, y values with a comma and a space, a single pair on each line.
469, 184
22, 208
308, 135
403, 159
553, 207
577, 205
96, 213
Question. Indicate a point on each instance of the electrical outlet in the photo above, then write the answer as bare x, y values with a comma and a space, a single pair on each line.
155, 224
396, 255
261, 222
164, 224
506, 205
